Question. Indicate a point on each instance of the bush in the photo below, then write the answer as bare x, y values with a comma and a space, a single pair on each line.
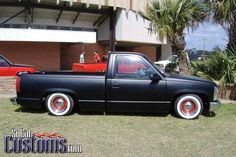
220, 66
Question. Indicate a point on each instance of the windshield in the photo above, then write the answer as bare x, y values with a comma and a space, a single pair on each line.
156, 67
5, 61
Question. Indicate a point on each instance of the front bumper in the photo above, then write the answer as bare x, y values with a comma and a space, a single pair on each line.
214, 105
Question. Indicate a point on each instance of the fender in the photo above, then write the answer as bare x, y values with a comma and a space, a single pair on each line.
189, 91
60, 90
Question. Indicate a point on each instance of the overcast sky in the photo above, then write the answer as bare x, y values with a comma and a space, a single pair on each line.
213, 34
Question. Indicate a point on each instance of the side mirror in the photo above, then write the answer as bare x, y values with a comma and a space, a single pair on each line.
155, 77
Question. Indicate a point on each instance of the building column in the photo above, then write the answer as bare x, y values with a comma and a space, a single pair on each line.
112, 31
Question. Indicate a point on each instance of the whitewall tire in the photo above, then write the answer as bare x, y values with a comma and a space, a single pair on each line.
188, 106
59, 104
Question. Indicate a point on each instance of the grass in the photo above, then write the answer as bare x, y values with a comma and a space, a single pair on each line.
131, 135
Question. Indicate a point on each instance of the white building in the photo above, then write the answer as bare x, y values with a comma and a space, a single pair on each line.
50, 34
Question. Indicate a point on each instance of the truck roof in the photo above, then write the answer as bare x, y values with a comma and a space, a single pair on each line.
126, 52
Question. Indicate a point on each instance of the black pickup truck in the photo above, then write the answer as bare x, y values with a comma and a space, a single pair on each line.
132, 83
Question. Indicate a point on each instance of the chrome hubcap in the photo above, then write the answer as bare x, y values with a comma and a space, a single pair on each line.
60, 103
188, 106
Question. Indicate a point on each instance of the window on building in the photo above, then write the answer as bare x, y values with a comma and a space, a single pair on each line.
39, 26
52, 27
6, 26
18, 26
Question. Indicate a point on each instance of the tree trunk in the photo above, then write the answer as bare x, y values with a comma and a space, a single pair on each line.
232, 35
178, 46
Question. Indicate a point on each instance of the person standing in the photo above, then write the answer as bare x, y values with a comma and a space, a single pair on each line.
96, 57
81, 58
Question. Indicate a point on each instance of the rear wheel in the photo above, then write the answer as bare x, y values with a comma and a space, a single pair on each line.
188, 106
59, 104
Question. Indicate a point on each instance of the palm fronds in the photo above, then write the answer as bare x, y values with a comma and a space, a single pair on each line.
170, 18
220, 66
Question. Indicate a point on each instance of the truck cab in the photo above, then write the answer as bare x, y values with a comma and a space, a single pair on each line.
135, 85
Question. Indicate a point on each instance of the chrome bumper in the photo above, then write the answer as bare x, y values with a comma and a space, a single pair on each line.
13, 101
215, 105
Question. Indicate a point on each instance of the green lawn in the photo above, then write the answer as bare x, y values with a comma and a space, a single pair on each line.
131, 135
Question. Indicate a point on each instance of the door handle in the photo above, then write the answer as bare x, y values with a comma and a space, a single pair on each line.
115, 86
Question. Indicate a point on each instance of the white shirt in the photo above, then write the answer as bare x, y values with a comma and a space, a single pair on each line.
81, 59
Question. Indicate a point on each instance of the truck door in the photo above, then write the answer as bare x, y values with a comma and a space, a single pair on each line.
131, 89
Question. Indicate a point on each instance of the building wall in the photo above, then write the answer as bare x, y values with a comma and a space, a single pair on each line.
70, 53
166, 51
56, 56
40, 35
103, 32
150, 51
44, 56
48, 17
90, 48
136, 5
131, 27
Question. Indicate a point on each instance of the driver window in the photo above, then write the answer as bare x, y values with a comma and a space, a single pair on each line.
133, 67
3, 62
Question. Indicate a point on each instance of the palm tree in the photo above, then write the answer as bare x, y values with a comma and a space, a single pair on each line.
171, 17
224, 13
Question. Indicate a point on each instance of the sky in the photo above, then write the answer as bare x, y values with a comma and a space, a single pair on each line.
213, 34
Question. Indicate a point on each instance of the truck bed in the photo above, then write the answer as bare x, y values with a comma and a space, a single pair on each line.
69, 73
85, 87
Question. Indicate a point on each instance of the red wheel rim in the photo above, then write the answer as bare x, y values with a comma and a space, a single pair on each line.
56, 105
188, 107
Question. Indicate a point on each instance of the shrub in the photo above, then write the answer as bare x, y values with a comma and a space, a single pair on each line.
220, 66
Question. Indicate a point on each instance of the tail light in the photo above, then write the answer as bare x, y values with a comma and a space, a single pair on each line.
18, 84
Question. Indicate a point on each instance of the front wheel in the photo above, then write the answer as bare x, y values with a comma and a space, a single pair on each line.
59, 104
188, 106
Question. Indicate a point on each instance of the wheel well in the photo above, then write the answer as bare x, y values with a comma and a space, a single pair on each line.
203, 97
19, 72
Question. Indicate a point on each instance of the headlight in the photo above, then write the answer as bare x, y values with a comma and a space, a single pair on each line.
216, 92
